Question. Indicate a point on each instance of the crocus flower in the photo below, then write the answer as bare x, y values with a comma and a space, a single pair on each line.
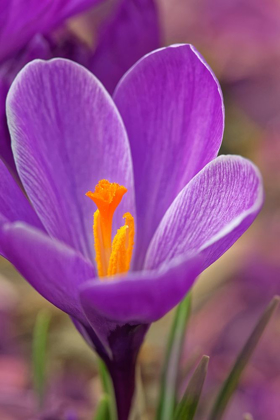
148, 154
120, 42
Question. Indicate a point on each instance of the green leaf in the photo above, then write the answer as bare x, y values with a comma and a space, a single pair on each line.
187, 407
103, 409
232, 380
169, 382
40, 334
108, 389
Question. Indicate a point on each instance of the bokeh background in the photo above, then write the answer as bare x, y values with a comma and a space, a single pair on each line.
240, 39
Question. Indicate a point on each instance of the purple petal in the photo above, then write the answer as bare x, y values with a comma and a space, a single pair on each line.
67, 46
132, 32
38, 47
140, 297
14, 205
52, 268
210, 213
66, 136
172, 108
20, 20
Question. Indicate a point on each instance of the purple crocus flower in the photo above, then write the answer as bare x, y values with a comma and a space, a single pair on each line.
157, 140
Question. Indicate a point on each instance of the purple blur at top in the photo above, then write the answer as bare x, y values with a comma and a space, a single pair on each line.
20, 20
119, 43
159, 137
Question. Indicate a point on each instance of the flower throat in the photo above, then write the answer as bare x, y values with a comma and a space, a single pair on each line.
112, 257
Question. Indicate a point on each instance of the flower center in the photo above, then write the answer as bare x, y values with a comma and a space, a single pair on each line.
112, 257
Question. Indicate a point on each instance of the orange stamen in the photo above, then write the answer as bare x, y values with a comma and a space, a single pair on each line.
122, 247
111, 258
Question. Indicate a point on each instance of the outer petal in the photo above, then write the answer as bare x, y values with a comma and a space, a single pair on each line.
20, 20
210, 213
52, 268
172, 108
14, 205
38, 47
141, 297
132, 32
67, 46
66, 136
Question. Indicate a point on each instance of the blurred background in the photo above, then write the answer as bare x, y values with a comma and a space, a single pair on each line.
240, 40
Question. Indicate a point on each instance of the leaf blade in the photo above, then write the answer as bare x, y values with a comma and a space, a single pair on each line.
233, 378
108, 389
103, 408
39, 350
167, 399
186, 409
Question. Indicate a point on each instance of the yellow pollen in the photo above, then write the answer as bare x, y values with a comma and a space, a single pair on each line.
111, 257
